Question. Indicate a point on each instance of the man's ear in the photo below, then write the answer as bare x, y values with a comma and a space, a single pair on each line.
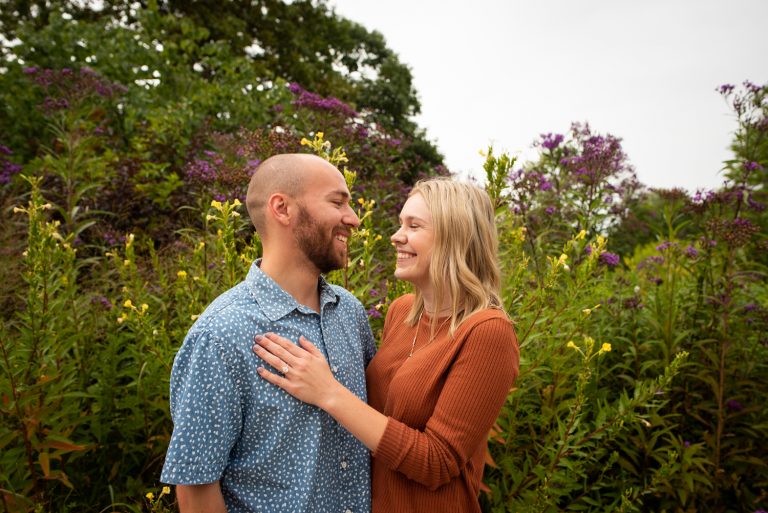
278, 208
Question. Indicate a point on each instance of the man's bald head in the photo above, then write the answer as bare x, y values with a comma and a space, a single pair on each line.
285, 174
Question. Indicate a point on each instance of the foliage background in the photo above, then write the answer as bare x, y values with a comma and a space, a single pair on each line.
127, 136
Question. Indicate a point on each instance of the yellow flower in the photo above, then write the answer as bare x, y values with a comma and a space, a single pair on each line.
216, 204
166, 490
18, 210
209, 217
182, 275
360, 200
581, 235
587, 311
305, 141
236, 203
605, 348
121, 319
319, 135
571, 345
150, 495
128, 304
144, 307
126, 262
194, 317
562, 259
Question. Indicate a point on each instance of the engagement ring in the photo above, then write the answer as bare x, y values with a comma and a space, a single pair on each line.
285, 369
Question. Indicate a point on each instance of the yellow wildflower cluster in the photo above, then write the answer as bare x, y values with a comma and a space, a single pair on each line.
589, 344
166, 490
130, 307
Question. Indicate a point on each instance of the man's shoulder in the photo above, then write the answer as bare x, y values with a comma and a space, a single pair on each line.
226, 309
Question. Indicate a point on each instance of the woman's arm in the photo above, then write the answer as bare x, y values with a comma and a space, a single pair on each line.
474, 390
310, 380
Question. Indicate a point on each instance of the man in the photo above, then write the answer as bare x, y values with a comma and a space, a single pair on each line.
240, 444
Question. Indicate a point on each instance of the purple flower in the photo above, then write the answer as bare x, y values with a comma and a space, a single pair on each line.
551, 141
752, 166
103, 301
734, 405
30, 70
374, 293
372, 312
251, 166
550, 210
316, 102
545, 185
666, 245
691, 251
751, 307
609, 259
686, 444
725, 89
654, 260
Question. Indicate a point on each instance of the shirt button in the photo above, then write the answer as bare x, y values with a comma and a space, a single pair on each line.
343, 464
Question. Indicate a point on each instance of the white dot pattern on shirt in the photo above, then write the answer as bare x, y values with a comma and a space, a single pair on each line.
271, 452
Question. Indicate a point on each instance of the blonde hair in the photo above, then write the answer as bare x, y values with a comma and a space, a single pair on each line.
464, 264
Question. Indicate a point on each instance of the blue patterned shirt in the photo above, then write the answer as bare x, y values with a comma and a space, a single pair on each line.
271, 452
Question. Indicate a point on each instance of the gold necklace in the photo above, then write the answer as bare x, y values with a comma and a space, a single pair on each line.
415, 336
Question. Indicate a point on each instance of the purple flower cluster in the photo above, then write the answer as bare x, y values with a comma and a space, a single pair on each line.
609, 259
666, 245
251, 166
551, 141
600, 157
66, 87
314, 101
651, 261
734, 405
691, 251
725, 89
204, 170
7, 168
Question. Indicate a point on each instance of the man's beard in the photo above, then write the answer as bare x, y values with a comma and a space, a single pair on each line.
319, 249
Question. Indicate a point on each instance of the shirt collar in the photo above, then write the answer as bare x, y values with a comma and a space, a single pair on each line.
275, 302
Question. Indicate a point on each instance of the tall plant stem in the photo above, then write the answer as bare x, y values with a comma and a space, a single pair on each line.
24, 435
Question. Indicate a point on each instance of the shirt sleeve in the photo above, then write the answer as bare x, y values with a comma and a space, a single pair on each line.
206, 411
474, 391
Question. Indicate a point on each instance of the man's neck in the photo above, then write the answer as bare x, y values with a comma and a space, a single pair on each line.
297, 280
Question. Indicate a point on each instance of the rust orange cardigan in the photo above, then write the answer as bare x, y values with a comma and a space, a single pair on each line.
441, 403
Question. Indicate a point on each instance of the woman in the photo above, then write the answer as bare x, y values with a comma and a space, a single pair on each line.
447, 359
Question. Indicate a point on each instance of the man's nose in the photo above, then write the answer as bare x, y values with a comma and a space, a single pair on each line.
351, 218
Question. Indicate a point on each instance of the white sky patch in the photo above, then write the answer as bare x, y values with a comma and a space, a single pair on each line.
502, 72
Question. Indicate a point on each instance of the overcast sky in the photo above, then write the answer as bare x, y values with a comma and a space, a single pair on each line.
503, 72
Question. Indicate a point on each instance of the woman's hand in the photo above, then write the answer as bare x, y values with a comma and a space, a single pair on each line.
306, 374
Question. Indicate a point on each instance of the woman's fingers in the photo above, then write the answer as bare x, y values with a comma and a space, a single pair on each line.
272, 377
278, 363
279, 346
309, 346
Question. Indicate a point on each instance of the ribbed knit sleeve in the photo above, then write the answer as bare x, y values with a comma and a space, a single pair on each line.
471, 391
